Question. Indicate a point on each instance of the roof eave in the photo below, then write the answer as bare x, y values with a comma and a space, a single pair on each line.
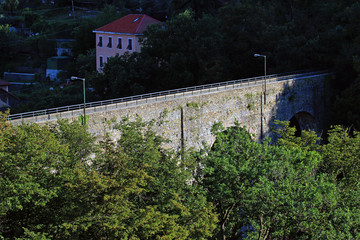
105, 32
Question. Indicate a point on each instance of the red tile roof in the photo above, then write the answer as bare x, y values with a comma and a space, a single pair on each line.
132, 23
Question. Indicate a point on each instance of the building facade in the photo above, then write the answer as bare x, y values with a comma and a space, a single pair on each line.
7, 99
120, 36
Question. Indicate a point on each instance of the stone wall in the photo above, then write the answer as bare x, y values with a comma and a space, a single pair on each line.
190, 117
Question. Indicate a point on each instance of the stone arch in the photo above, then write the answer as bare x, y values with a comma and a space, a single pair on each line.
303, 121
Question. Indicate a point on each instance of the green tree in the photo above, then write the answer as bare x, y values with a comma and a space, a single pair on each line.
39, 97
170, 189
286, 136
181, 49
56, 183
340, 152
125, 75
346, 109
83, 66
85, 39
30, 16
30, 160
63, 3
263, 191
10, 45
342, 155
158, 9
242, 31
341, 161
198, 6
10, 5
80, 142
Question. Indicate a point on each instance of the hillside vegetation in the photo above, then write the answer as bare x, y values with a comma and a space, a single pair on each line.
199, 42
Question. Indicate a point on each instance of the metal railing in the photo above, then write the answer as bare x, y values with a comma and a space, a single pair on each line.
170, 93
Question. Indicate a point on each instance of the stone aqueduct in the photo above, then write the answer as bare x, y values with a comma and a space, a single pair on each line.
185, 117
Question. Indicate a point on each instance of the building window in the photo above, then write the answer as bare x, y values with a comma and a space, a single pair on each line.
101, 62
119, 46
100, 41
110, 43
130, 47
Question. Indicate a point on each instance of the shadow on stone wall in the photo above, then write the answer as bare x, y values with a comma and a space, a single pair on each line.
302, 102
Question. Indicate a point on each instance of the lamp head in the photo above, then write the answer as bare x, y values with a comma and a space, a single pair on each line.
259, 55
76, 78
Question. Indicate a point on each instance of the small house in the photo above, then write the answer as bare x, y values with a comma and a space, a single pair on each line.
120, 36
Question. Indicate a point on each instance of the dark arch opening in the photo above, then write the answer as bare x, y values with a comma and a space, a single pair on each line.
303, 121
295, 123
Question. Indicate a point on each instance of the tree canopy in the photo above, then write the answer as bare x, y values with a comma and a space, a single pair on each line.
282, 191
57, 183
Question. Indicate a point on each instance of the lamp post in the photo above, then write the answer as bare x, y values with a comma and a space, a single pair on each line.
81, 79
264, 91
260, 55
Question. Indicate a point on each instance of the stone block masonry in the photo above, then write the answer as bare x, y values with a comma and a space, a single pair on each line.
186, 120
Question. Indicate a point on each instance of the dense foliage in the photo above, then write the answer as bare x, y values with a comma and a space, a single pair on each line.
283, 191
56, 182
